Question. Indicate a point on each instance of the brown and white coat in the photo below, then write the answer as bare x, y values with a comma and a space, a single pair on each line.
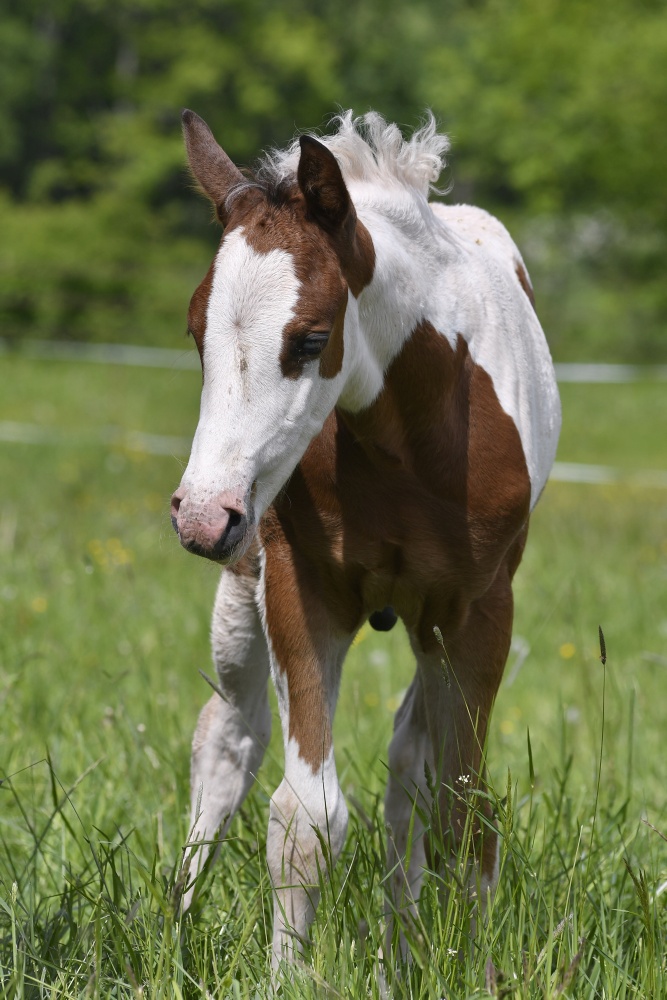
379, 415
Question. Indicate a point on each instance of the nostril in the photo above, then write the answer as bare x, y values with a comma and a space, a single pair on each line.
209, 528
234, 518
232, 535
175, 507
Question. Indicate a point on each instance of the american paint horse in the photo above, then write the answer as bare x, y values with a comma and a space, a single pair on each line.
379, 416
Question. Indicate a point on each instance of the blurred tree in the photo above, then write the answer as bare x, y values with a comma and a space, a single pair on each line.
556, 111
99, 222
558, 105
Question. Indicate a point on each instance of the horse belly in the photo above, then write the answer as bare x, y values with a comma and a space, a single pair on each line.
425, 554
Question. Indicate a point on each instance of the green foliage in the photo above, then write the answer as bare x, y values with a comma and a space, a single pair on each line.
556, 111
571, 131
73, 271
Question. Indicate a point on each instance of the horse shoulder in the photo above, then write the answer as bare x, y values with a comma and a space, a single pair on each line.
499, 321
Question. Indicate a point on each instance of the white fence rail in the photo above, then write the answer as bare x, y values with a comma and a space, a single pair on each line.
104, 354
187, 359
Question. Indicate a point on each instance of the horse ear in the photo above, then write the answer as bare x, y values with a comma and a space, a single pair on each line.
322, 185
210, 165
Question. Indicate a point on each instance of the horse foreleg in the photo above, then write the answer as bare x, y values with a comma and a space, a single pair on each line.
234, 726
307, 828
308, 816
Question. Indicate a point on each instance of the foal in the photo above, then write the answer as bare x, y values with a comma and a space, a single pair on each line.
379, 415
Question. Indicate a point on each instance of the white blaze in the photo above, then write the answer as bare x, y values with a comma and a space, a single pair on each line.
254, 423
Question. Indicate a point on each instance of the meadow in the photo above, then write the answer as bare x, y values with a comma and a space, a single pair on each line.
103, 631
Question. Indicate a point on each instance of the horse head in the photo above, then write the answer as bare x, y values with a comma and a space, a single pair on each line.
271, 320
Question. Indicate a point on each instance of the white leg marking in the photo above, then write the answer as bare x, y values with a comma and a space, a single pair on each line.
307, 828
231, 735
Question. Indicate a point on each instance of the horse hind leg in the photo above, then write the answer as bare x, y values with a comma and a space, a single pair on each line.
407, 812
234, 726
459, 700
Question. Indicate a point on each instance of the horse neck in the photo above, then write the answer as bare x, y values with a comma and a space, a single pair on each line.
412, 251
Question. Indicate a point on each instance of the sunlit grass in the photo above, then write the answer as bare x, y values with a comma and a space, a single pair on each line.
104, 624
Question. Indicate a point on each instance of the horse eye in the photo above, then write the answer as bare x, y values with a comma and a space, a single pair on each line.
313, 344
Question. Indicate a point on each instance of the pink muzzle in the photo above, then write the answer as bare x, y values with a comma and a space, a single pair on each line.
215, 528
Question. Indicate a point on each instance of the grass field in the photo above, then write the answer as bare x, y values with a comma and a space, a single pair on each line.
104, 623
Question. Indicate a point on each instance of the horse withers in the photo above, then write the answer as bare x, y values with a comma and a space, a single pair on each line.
379, 415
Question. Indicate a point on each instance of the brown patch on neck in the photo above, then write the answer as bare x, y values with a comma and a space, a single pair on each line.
524, 281
440, 417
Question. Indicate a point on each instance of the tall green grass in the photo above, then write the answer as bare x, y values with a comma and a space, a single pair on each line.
104, 623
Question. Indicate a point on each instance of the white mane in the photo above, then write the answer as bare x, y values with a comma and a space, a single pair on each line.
370, 150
